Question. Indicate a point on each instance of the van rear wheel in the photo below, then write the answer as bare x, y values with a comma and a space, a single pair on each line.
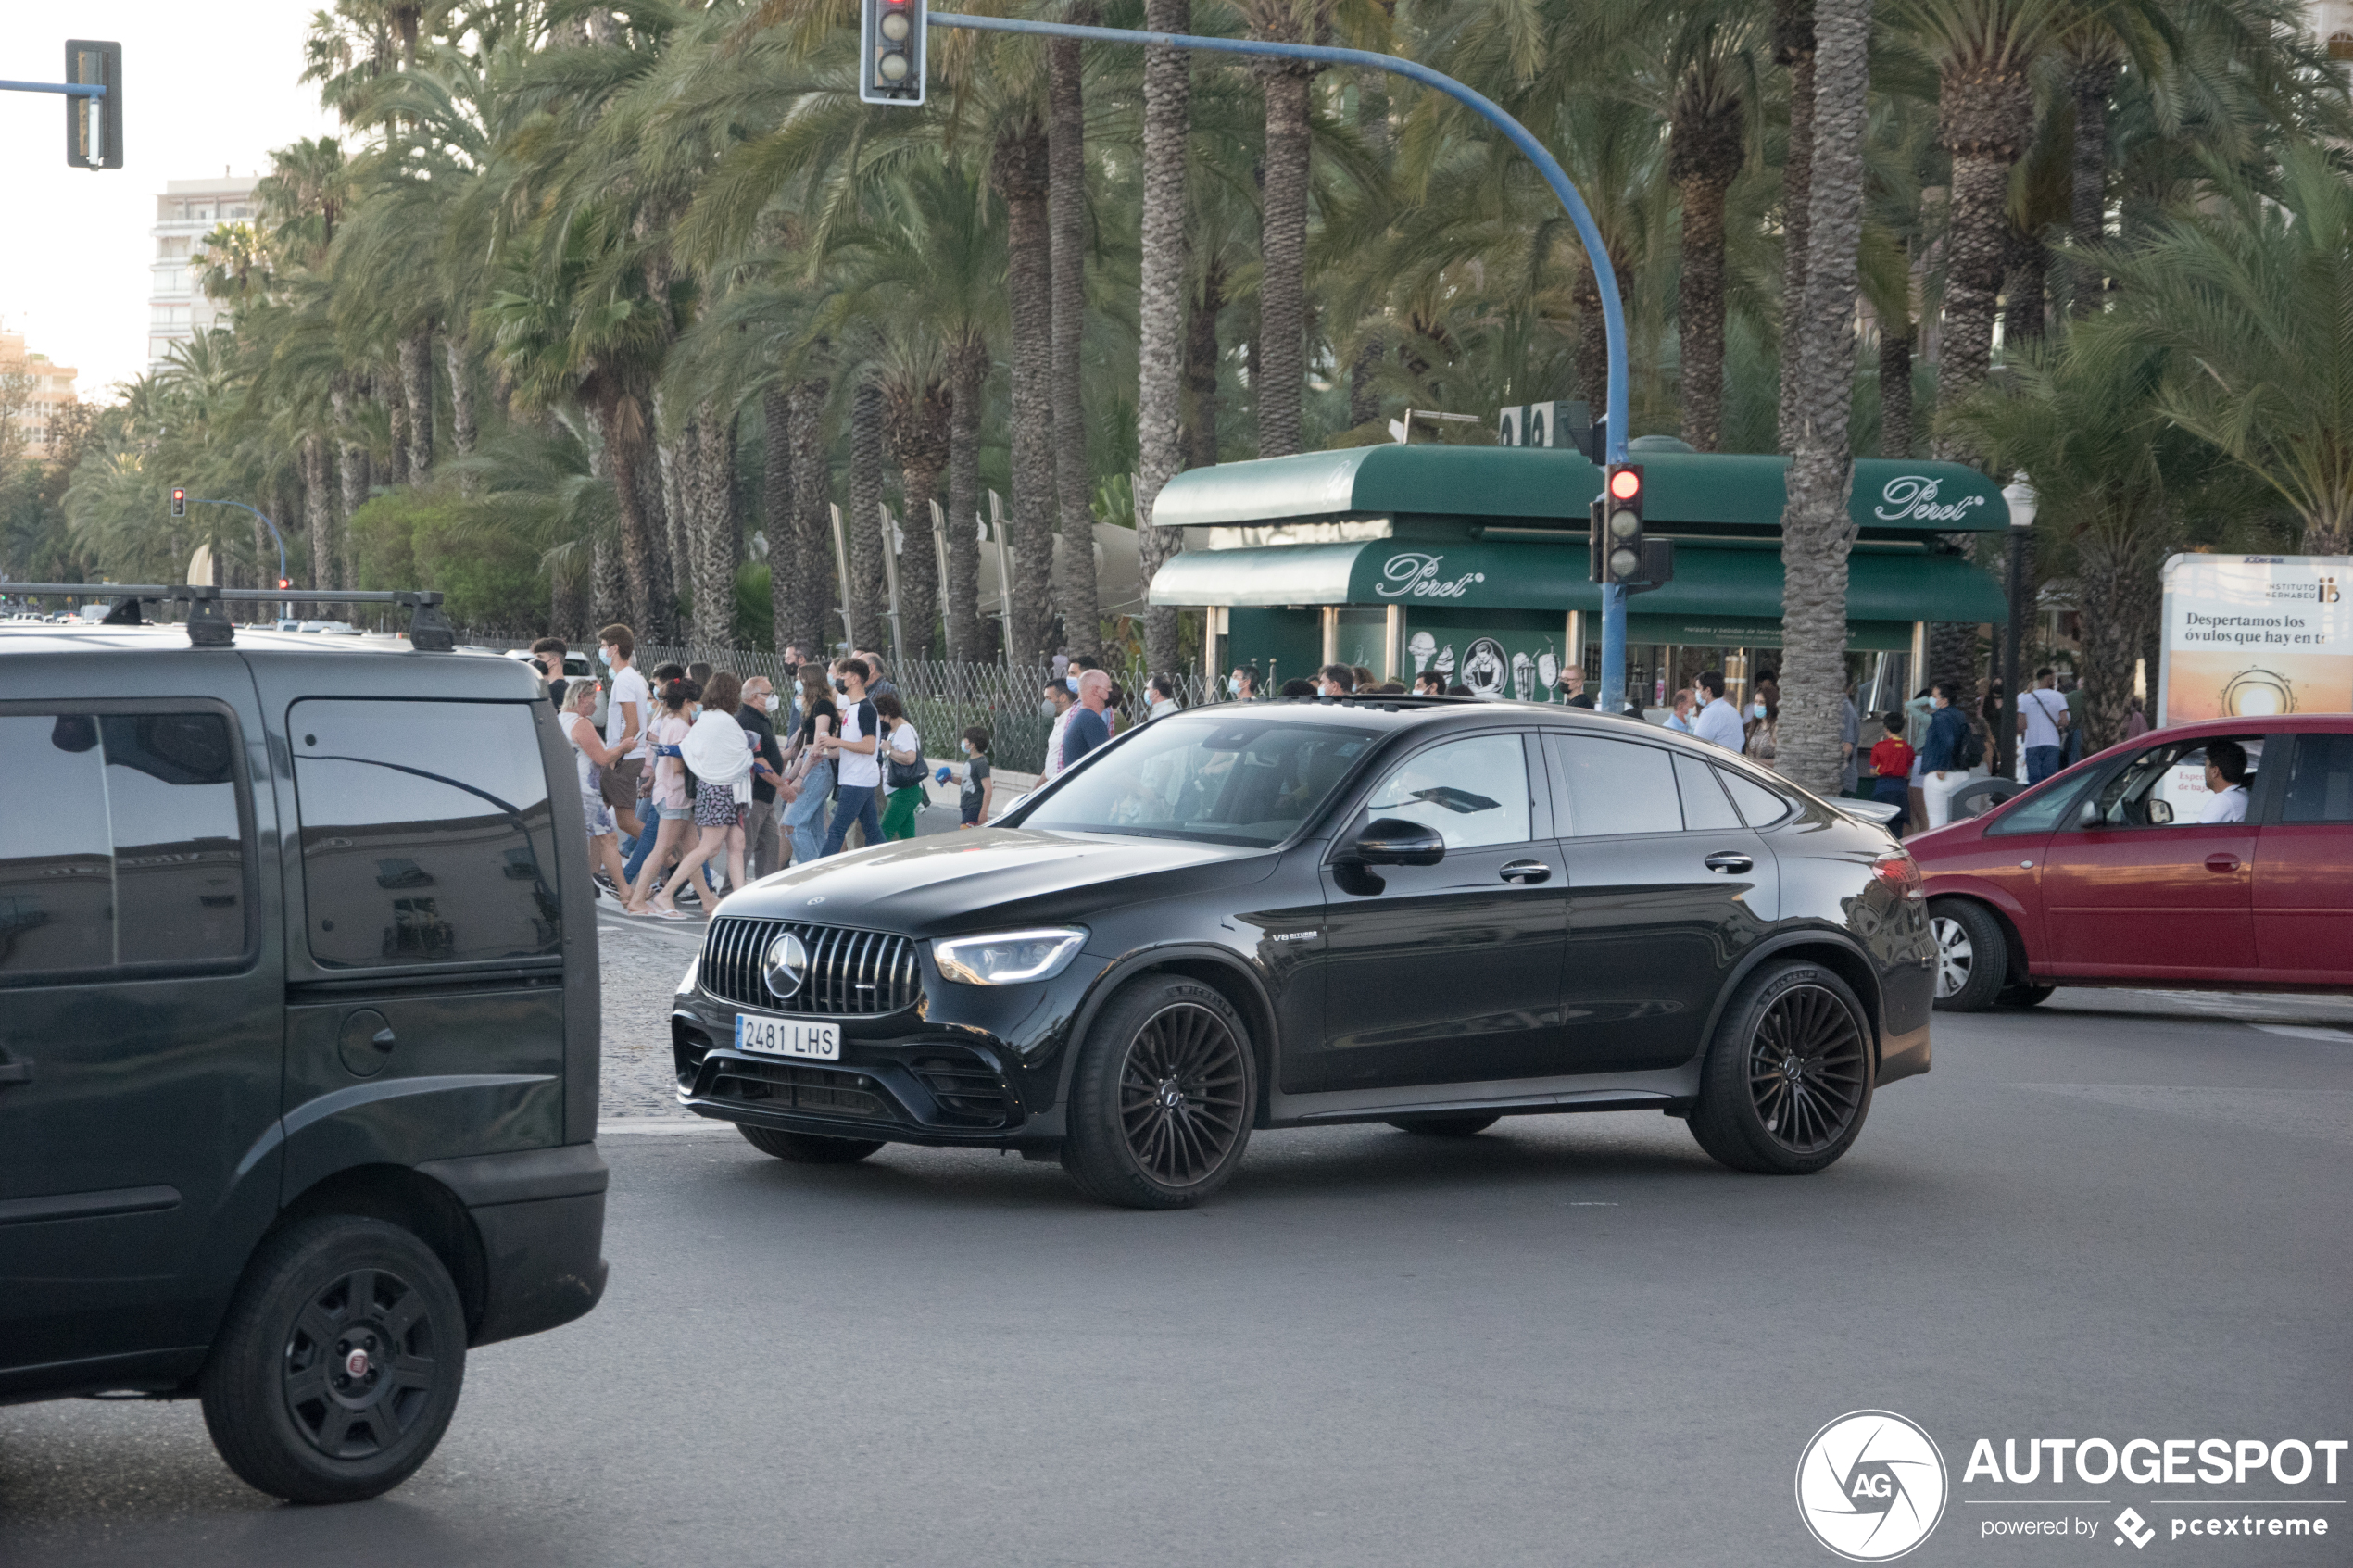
340, 1362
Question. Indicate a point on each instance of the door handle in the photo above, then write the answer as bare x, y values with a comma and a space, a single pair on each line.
1527, 871
18, 1071
1731, 864
2225, 863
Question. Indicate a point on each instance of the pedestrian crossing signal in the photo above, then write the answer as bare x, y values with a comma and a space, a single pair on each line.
890, 48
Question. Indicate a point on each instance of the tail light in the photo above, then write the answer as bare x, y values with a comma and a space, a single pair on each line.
1901, 875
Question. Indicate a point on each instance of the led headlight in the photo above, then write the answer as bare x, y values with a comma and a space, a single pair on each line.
1009, 957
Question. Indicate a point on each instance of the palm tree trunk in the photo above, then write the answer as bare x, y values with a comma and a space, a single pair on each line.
706, 486
969, 635
1818, 534
811, 542
461, 397
1895, 389
622, 424
2090, 77
1699, 311
1592, 338
1165, 347
1794, 47
1066, 215
416, 388
351, 465
2026, 263
917, 419
318, 511
397, 421
1200, 364
775, 510
1019, 172
1985, 114
664, 561
867, 543
1278, 365
2121, 599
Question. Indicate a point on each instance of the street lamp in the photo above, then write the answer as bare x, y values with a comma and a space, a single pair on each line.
2023, 501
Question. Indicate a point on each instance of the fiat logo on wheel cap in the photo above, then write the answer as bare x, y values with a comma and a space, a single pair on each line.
785, 961
355, 1365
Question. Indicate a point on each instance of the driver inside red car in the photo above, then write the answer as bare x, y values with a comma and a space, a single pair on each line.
2226, 776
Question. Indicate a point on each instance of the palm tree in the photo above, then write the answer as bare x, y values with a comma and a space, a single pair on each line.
2253, 298
1018, 172
1161, 353
1816, 531
1714, 82
1066, 216
1793, 47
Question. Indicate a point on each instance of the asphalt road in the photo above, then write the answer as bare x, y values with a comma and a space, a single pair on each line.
1571, 1340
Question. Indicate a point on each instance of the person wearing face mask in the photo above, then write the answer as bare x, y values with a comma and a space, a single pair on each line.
1763, 728
856, 752
1242, 685
1716, 721
763, 843
972, 801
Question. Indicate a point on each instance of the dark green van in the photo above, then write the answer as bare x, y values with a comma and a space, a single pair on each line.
298, 1034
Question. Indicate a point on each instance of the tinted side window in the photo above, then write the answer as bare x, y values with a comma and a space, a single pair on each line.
1704, 808
427, 836
131, 849
1474, 792
1615, 786
2320, 780
1761, 807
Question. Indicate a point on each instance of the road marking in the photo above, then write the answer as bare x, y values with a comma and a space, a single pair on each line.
661, 1124
2312, 1113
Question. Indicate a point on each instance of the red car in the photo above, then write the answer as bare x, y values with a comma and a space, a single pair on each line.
2109, 873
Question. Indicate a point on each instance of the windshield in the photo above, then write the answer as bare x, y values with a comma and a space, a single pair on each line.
1221, 780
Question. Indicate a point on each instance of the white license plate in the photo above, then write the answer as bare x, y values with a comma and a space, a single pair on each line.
769, 1035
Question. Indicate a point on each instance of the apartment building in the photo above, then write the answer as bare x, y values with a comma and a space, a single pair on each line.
185, 213
52, 389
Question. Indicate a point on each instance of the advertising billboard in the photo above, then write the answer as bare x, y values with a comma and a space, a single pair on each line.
2252, 635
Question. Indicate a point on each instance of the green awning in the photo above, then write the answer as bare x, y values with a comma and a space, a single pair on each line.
1719, 585
1542, 488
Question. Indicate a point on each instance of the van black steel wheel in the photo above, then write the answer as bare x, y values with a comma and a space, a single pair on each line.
1788, 1079
340, 1364
1162, 1097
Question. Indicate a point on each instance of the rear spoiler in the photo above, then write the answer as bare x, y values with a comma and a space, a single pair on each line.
208, 628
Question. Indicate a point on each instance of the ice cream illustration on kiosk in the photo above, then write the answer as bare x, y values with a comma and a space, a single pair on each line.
1521, 671
1422, 646
1548, 671
1446, 665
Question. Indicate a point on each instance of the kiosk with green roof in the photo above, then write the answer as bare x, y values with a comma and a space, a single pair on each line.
1473, 561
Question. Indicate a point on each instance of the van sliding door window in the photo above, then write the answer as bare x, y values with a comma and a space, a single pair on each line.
126, 852
427, 835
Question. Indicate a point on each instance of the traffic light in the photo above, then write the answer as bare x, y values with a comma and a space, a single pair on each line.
94, 125
1618, 548
890, 43
178, 503
285, 584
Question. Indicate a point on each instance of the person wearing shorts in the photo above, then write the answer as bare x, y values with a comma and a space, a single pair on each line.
590, 756
628, 714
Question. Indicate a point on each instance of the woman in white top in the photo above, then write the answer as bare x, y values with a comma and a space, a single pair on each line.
718, 750
591, 756
903, 745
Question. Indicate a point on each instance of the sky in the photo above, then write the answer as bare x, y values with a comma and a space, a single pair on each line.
205, 87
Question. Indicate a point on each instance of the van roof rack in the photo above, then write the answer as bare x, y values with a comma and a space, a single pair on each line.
208, 628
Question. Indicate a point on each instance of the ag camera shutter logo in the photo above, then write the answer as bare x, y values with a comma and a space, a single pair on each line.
1871, 1485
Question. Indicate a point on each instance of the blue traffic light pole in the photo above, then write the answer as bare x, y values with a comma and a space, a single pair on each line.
1613, 683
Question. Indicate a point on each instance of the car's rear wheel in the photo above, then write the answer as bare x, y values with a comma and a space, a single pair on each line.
808, 1148
1788, 1077
1444, 1126
339, 1364
2024, 996
1161, 1100
1973, 961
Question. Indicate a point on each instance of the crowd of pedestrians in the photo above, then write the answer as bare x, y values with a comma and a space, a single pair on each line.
701, 780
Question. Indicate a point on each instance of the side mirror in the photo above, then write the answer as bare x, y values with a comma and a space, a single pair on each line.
1393, 841
2161, 812
2088, 814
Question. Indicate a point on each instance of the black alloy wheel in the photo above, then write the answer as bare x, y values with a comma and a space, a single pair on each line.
340, 1362
1788, 1078
1162, 1102
1972, 960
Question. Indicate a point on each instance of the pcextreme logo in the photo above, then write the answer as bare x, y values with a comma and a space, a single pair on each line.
1870, 1486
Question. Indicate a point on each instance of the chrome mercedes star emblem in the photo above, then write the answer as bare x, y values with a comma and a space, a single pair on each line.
784, 963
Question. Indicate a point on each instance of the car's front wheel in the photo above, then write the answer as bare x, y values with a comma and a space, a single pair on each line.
1162, 1099
1788, 1077
808, 1148
1973, 961
339, 1364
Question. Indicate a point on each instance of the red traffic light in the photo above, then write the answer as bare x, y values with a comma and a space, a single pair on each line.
1626, 483
284, 583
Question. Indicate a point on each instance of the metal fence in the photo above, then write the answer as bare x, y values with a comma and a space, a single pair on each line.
943, 697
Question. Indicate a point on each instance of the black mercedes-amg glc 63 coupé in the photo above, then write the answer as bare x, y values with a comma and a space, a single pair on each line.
1432, 913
